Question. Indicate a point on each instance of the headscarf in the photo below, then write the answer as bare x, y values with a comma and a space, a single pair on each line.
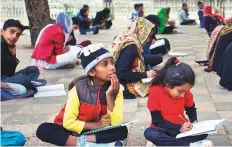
215, 34
208, 10
136, 33
66, 23
163, 13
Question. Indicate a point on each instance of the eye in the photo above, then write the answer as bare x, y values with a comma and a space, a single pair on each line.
104, 64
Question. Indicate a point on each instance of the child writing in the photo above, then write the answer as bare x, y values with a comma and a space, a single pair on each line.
169, 97
94, 101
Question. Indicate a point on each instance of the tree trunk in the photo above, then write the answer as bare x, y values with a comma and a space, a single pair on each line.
38, 16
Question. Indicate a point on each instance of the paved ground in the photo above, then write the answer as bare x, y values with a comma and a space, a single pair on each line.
212, 101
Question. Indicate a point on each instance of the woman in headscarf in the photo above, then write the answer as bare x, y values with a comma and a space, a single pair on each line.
50, 51
127, 49
212, 42
210, 20
163, 17
223, 41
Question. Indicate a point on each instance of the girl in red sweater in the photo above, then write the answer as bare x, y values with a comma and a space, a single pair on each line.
169, 97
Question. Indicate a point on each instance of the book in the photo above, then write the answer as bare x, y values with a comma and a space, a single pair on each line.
50, 90
157, 43
204, 127
177, 54
108, 128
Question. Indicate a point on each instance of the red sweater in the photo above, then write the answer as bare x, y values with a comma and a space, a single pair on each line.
170, 108
50, 45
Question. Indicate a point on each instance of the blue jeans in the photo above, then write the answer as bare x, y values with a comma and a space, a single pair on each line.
12, 92
92, 29
160, 137
23, 77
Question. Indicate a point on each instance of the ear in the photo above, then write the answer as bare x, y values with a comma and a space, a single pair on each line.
2, 31
92, 73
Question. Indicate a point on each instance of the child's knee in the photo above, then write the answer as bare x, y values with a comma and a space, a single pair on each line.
35, 69
42, 130
150, 134
124, 133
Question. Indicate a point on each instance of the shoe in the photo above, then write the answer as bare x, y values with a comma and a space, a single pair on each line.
118, 143
207, 69
39, 82
96, 30
202, 143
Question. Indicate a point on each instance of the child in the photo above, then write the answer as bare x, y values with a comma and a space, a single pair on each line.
135, 13
201, 13
183, 16
169, 97
94, 101
85, 23
102, 19
12, 29
50, 51
85, 7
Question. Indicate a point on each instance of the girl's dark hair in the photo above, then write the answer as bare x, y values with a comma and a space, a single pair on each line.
174, 74
85, 7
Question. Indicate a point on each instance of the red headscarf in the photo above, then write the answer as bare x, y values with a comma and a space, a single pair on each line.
208, 10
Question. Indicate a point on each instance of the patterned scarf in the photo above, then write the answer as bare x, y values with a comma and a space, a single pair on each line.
136, 33
215, 34
226, 30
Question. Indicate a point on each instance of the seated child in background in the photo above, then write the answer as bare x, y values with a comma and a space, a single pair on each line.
85, 22
201, 13
94, 101
72, 39
102, 19
50, 51
12, 29
169, 97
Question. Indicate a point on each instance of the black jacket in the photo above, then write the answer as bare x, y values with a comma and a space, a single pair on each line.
8, 61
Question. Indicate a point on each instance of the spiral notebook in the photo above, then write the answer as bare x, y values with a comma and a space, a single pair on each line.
204, 127
108, 128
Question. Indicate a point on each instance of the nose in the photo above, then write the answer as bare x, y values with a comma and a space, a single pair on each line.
112, 67
14, 35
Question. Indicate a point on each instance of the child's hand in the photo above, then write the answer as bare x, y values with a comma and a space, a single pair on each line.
114, 87
13, 50
105, 120
186, 127
151, 74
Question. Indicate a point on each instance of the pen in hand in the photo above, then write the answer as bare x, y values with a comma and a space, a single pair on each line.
185, 120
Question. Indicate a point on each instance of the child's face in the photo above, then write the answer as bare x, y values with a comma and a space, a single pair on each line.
104, 70
11, 35
178, 91
87, 12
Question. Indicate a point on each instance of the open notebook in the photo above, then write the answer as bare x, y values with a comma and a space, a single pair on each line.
50, 90
157, 43
108, 128
204, 127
